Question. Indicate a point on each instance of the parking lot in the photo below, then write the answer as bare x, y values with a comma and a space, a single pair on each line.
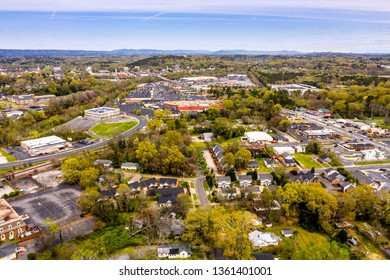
5, 188
380, 176
26, 184
80, 123
58, 204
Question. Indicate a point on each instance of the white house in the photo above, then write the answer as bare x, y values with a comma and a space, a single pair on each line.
130, 166
282, 150
258, 136
265, 179
263, 239
373, 154
245, 180
287, 232
223, 181
174, 251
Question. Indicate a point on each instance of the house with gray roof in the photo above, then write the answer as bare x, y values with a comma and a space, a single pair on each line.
266, 179
263, 239
244, 180
175, 251
223, 181
130, 166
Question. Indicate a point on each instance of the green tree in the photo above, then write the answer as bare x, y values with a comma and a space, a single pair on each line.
87, 198
243, 157
89, 177
313, 147
328, 251
145, 152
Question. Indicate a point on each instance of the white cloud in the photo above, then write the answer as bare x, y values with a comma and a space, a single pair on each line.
201, 6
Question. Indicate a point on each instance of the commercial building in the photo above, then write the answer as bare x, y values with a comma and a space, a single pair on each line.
11, 224
101, 113
45, 145
258, 136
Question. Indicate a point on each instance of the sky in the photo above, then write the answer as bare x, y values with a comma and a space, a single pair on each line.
300, 25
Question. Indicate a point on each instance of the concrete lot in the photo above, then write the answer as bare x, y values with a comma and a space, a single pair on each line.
5, 188
27, 184
209, 160
50, 178
379, 176
80, 123
58, 204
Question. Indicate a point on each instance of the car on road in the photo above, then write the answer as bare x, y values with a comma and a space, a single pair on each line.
383, 170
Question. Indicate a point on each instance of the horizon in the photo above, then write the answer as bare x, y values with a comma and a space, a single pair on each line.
324, 26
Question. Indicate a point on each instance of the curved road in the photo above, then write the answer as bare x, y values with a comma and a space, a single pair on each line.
141, 123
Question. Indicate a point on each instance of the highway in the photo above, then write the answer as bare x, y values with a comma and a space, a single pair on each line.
141, 123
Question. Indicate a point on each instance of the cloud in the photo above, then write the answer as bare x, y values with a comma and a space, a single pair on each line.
197, 6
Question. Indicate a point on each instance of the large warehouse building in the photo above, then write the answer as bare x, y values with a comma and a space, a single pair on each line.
258, 136
45, 145
101, 113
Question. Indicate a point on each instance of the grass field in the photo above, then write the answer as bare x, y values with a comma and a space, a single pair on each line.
112, 129
262, 167
372, 162
307, 161
9, 157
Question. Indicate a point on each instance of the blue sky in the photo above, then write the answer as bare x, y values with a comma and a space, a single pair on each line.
342, 26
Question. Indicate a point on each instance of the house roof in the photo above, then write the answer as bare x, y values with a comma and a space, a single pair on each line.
286, 231
109, 193
323, 157
229, 191
130, 164
362, 178
150, 182
103, 161
251, 190
221, 179
265, 176
244, 178
178, 246
166, 192
7, 249
263, 256
168, 182
253, 163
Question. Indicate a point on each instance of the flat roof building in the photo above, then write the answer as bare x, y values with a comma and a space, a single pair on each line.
258, 136
11, 224
45, 145
101, 113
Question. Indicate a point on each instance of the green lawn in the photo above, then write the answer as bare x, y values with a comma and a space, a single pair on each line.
307, 161
192, 185
372, 162
263, 168
195, 197
9, 157
112, 129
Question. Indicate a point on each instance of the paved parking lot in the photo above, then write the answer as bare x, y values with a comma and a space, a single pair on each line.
381, 177
58, 204
80, 123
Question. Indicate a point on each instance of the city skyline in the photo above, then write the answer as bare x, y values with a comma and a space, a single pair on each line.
334, 26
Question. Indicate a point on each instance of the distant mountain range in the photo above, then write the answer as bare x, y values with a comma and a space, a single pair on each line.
26, 53
15, 52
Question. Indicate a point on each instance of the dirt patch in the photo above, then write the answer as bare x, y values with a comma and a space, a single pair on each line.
27, 184
50, 178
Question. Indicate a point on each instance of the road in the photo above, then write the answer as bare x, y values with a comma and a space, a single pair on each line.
141, 123
202, 196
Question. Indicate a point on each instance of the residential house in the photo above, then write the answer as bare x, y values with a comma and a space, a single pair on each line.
299, 149
302, 177
288, 160
266, 179
229, 193
263, 239
168, 182
166, 197
208, 137
253, 164
109, 193
333, 176
217, 254
11, 224
223, 181
171, 226
244, 180
324, 159
287, 232
150, 183
175, 251
130, 166
263, 257
345, 186
218, 154
250, 191
103, 162
270, 162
